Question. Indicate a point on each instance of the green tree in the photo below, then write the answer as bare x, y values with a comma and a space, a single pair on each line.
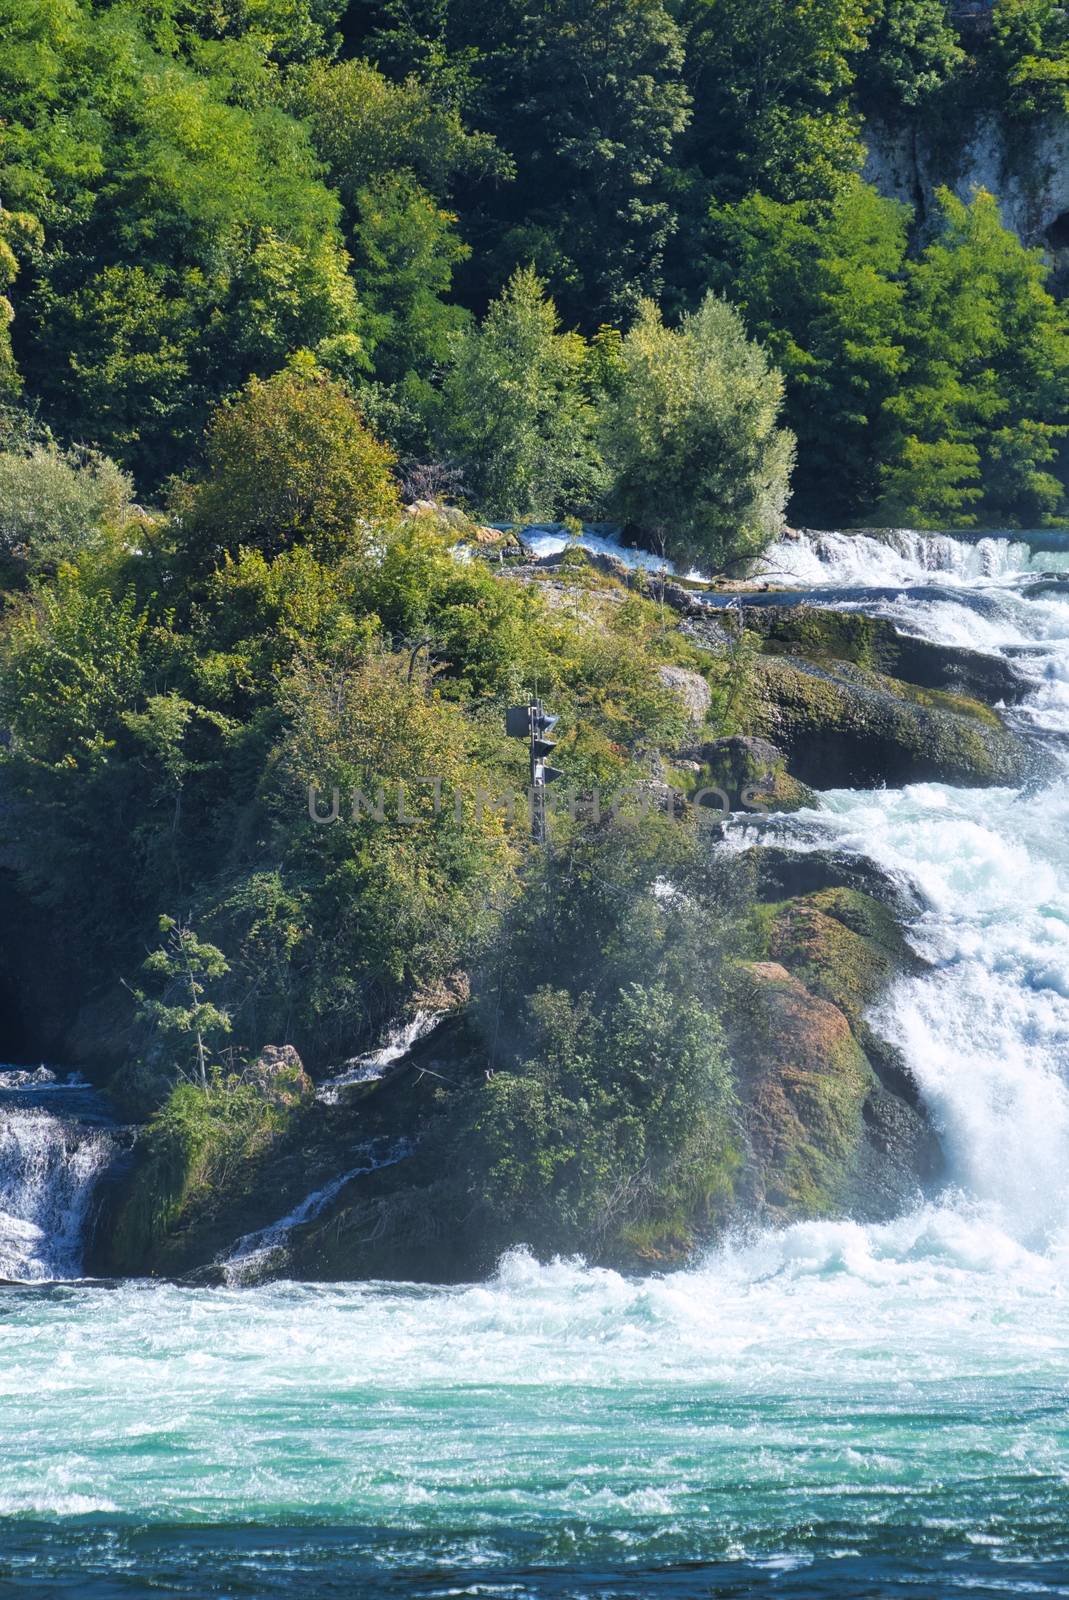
821, 287
914, 51
595, 103
406, 250
979, 419
55, 503
514, 410
1030, 50
690, 429
289, 461
183, 1020
772, 82
188, 240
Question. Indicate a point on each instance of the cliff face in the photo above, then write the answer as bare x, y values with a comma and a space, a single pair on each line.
1027, 168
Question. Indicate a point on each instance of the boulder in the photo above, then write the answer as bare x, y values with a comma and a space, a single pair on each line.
750, 771
843, 945
783, 873
279, 1075
690, 688
819, 634
843, 725
805, 1082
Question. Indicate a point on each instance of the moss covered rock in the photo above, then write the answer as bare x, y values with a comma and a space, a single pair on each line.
841, 944
825, 635
842, 725
806, 1080
198, 1173
750, 771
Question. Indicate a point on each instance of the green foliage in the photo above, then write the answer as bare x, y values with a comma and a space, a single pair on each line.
597, 101
405, 253
606, 1120
55, 503
514, 409
188, 240
979, 416
913, 52
821, 287
183, 1021
290, 460
1030, 45
774, 113
197, 1143
691, 436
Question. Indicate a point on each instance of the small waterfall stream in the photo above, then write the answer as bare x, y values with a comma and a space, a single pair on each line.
56, 1141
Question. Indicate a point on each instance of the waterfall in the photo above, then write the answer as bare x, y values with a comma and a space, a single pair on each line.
55, 1144
399, 1040
986, 1031
254, 1254
906, 556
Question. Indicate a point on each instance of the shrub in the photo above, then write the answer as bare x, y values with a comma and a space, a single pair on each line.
54, 503
290, 461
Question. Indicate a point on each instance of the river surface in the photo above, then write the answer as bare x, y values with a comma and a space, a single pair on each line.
834, 1409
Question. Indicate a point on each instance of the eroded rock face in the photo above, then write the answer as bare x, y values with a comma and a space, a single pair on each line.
843, 725
1027, 170
845, 947
834, 1117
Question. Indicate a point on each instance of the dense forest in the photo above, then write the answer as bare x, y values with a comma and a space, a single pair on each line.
298, 300
442, 200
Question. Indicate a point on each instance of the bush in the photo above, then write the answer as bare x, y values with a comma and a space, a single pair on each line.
54, 503
290, 461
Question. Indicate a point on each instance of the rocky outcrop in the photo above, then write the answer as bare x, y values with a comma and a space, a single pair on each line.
278, 1075
833, 1116
750, 772
690, 688
873, 642
806, 1081
843, 725
843, 945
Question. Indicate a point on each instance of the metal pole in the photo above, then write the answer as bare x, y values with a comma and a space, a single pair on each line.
538, 780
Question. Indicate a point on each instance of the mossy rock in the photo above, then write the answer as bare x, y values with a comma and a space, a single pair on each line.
805, 1084
751, 772
845, 726
206, 1168
842, 944
825, 635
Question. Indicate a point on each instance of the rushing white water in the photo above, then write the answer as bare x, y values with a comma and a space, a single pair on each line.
50, 1162
986, 1033
256, 1254
905, 556
398, 1042
551, 539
